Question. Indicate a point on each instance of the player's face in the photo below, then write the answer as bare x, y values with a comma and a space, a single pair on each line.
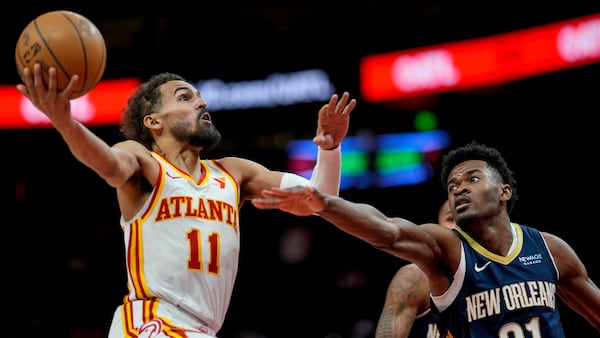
474, 190
187, 116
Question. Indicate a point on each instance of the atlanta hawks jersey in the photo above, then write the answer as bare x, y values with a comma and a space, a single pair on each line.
503, 296
183, 246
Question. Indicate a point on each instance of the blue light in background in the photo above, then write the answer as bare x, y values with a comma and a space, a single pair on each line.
384, 160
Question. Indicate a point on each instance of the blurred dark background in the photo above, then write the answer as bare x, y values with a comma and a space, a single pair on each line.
64, 272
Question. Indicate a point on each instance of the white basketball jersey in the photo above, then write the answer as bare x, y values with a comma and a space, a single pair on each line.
183, 245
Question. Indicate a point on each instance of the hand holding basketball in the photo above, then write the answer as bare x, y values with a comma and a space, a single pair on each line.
67, 41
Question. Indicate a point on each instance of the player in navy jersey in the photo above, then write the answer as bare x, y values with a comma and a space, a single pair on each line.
406, 312
179, 212
490, 276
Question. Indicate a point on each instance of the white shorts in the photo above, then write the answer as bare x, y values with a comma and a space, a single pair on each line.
132, 320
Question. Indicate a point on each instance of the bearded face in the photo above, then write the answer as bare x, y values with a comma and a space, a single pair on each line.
206, 136
202, 134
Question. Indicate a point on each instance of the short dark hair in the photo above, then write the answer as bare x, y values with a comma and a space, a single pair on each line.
144, 101
477, 151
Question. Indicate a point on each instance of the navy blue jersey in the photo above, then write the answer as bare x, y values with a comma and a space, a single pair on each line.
425, 327
503, 296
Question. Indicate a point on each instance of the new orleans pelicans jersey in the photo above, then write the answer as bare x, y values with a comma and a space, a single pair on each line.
503, 296
182, 249
424, 326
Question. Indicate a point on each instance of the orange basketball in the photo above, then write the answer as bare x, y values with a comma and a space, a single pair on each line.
67, 41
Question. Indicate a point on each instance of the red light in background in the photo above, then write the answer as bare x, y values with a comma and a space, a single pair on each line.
481, 62
102, 106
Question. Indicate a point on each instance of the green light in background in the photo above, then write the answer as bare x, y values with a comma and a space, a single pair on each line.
381, 160
425, 121
354, 163
386, 161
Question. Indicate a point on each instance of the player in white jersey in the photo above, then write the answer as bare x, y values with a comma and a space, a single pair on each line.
179, 213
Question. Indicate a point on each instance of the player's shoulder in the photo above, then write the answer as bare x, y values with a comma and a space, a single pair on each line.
130, 145
244, 170
240, 165
411, 270
411, 284
236, 161
555, 243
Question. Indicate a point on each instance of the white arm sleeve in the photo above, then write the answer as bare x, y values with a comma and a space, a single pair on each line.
326, 175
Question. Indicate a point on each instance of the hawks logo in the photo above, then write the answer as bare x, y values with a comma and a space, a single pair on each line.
220, 181
150, 329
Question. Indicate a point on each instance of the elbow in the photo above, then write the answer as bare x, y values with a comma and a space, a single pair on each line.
114, 178
114, 181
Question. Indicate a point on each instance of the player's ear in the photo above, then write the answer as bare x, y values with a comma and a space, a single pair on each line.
506, 192
151, 122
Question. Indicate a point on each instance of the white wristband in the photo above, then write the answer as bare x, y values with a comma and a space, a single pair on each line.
289, 180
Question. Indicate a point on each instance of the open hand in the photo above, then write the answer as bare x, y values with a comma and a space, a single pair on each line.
300, 201
334, 121
45, 96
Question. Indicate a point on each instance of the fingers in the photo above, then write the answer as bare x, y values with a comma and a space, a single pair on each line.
338, 106
341, 106
282, 193
345, 106
26, 88
70, 86
26, 78
38, 78
300, 200
333, 100
342, 101
52, 79
349, 108
35, 87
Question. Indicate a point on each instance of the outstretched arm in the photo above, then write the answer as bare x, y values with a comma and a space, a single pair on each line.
358, 219
435, 249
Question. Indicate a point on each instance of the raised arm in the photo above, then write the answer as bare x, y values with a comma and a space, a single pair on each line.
113, 165
332, 127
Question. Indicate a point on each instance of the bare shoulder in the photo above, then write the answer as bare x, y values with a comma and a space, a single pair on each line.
410, 286
411, 274
136, 153
234, 162
444, 237
252, 176
446, 254
557, 245
240, 168
130, 145
409, 278
565, 258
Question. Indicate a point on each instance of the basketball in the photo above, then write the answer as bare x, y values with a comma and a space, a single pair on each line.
67, 41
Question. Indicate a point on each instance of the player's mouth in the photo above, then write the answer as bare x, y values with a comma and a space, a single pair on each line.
461, 203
